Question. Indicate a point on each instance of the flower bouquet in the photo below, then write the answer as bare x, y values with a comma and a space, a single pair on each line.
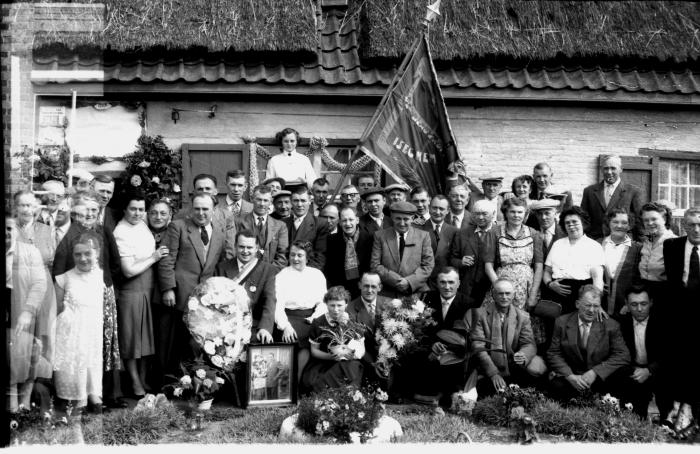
401, 331
348, 414
219, 320
198, 384
345, 336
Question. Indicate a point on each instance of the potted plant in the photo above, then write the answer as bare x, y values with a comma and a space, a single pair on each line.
344, 336
198, 385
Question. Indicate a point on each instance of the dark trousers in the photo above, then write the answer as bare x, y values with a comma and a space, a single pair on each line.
173, 343
111, 385
568, 303
560, 389
640, 394
421, 375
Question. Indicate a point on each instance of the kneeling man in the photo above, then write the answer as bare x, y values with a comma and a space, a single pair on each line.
586, 353
503, 344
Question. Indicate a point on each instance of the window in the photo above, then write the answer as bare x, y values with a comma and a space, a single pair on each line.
679, 183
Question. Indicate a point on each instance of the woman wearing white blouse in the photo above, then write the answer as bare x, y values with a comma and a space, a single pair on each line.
299, 292
294, 167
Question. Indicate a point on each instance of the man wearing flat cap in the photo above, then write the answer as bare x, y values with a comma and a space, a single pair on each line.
282, 202
375, 219
545, 211
402, 255
490, 191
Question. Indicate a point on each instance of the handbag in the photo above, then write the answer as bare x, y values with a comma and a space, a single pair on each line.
546, 309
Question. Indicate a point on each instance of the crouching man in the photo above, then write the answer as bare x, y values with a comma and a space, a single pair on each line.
503, 346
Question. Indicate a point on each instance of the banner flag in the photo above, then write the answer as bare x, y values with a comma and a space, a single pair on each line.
410, 135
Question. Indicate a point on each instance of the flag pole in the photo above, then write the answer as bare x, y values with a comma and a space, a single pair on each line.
375, 117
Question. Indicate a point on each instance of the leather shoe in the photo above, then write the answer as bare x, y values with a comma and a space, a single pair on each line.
116, 403
95, 408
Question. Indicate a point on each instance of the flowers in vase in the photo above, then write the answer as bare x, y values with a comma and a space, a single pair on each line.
198, 383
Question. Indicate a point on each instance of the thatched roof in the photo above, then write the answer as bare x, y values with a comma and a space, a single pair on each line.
536, 30
215, 25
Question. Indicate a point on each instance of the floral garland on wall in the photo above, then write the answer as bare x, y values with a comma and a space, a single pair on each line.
154, 169
316, 144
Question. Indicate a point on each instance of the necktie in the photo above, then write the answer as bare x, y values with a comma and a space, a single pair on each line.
261, 231
236, 208
445, 308
694, 269
480, 233
402, 245
583, 331
57, 239
608, 194
437, 234
547, 238
260, 223
371, 309
205, 236
455, 221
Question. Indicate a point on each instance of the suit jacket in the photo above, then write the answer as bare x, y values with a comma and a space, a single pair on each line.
260, 286
186, 266
441, 249
246, 207
674, 262
313, 230
466, 219
357, 312
368, 225
558, 234
224, 217
109, 254
626, 274
111, 219
519, 337
605, 353
652, 341
457, 311
276, 239
472, 277
416, 266
625, 196
335, 268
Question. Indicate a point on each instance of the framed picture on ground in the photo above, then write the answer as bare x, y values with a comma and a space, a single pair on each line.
271, 378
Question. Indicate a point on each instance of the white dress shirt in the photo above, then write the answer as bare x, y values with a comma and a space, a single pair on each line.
640, 331
686, 259
459, 218
613, 253
446, 305
292, 166
574, 261
608, 190
378, 220
230, 204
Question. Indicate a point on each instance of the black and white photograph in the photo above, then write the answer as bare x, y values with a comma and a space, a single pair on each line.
327, 222
271, 375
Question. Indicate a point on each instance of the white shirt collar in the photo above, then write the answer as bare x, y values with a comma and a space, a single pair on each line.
448, 302
614, 185
626, 242
230, 201
642, 323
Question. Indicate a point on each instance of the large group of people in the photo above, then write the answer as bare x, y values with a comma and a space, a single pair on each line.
599, 296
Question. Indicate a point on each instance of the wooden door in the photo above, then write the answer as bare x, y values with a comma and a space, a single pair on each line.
214, 159
641, 171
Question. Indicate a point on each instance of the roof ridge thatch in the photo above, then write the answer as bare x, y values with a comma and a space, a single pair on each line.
535, 29
217, 25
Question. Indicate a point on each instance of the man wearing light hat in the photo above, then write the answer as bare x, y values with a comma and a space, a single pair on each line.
396, 193
546, 212
402, 255
491, 188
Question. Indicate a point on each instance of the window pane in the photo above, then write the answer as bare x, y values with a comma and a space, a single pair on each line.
679, 197
679, 173
694, 197
663, 172
695, 173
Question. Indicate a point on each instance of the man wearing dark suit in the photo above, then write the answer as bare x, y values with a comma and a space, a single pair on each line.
469, 250
366, 309
196, 245
303, 226
544, 189
258, 279
347, 265
601, 198
682, 310
508, 328
234, 202
271, 233
429, 375
442, 236
108, 216
642, 335
374, 220
586, 353
401, 254
458, 215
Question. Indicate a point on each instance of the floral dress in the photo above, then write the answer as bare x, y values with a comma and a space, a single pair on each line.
516, 257
79, 335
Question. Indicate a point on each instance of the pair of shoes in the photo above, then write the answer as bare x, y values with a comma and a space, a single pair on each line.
95, 408
116, 403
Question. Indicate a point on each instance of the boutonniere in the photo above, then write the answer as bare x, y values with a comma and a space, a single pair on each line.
252, 288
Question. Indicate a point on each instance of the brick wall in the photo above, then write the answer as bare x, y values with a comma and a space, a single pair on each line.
505, 140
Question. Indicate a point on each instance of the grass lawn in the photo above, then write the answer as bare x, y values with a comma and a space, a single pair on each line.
226, 424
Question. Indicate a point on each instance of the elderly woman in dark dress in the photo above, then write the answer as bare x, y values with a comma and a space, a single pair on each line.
138, 254
333, 366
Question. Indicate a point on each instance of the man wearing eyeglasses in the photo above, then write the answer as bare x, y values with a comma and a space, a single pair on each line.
350, 196
642, 336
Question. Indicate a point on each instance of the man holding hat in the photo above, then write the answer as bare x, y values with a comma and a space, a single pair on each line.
402, 255
374, 219
491, 188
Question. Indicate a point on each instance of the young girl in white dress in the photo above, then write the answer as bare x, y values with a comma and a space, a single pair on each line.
78, 356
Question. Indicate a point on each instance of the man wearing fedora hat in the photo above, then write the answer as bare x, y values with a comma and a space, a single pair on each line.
402, 255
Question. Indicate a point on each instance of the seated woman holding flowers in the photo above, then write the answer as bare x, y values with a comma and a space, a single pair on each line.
337, 344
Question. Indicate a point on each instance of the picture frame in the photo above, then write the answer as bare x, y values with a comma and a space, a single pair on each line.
271, 375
